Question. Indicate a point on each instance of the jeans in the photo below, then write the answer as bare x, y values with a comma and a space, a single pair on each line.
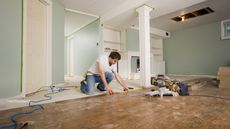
88, 87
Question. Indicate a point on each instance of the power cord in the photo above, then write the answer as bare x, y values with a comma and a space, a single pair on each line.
15, 124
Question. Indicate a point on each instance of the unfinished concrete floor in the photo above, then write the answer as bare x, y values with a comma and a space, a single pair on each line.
134, 111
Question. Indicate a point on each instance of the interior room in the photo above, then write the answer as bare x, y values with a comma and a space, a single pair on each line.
168, 60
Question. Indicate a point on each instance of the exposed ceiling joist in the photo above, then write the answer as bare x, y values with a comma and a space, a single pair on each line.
155, 31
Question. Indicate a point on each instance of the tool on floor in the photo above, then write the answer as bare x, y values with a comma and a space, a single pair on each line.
130, 88
22, 125
15, 124
161, 92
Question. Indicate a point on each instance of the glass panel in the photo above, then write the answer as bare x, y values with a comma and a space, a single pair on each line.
227, 29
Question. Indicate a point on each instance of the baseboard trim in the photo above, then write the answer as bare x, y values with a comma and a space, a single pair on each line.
210, 76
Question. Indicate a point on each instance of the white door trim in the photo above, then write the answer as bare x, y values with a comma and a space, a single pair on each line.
70, 55
49, 41
48, 3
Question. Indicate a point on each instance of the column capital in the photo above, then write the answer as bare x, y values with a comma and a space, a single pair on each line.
144, 8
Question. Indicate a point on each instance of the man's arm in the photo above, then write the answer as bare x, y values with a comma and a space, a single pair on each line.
102, 75
120, 81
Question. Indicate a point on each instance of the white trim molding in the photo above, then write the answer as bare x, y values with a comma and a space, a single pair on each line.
210, 76
80, 12
70, 56
23, 94
49, 41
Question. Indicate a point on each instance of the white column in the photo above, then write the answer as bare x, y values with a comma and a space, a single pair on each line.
144, 43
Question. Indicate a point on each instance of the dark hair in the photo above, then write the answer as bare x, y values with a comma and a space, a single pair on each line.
115, 55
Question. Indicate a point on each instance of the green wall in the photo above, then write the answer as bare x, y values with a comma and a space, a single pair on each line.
58, 43
10, 47
132, 40
86, 49
196, 51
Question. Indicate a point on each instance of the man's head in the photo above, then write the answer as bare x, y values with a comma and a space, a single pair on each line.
114, 57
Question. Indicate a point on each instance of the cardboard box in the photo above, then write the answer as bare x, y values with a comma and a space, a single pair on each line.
224, 86
224, 82
224, 71
224, 77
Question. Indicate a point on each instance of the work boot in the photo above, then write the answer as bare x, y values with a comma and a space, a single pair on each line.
82, 87
100, 87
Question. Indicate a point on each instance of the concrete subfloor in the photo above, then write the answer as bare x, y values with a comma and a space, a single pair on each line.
134, 111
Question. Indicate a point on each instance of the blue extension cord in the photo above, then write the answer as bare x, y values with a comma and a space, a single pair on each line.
13, 118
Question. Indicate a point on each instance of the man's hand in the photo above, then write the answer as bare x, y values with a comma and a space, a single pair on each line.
126, 89
108, 90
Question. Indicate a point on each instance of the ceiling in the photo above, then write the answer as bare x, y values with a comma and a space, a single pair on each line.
160, 8
221, 12
122, 13
96, 7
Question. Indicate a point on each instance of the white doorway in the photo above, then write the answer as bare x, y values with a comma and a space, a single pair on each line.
70, 56
37, 45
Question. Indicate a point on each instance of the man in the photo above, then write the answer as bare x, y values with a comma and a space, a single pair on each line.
102, 72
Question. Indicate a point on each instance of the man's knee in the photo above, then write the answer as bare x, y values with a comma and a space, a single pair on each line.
109, 76
87, 85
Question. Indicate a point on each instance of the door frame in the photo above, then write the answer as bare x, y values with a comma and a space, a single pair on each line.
70, 55
49, 44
